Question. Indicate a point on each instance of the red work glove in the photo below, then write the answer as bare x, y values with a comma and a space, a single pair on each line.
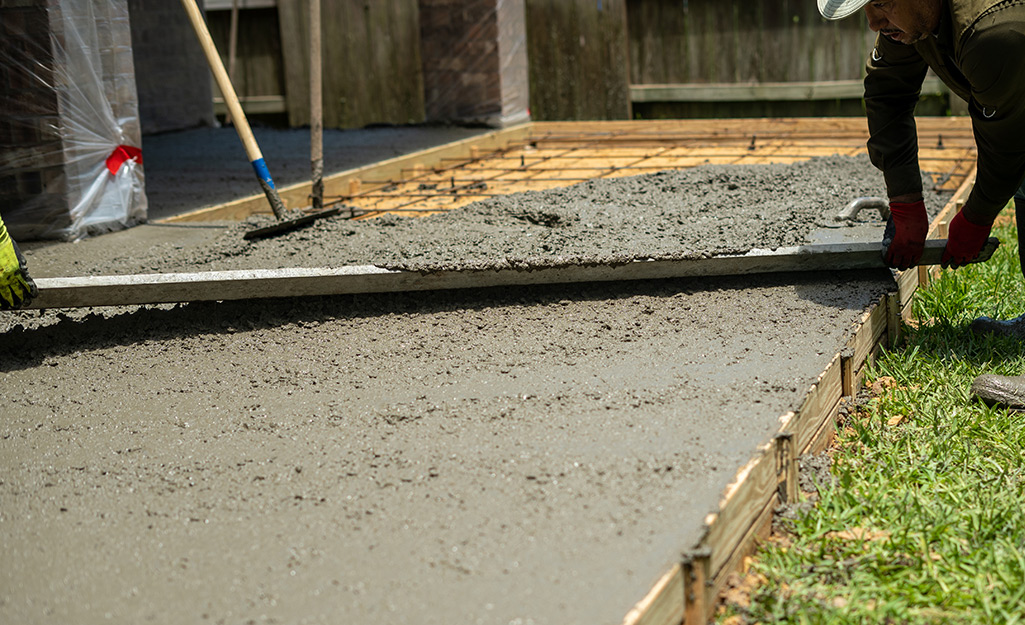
964, 241
904, 238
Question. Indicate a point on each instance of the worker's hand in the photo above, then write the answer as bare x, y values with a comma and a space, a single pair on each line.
904, 238
16, 287
965, 241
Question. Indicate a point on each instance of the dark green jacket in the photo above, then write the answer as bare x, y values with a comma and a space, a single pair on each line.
979, 52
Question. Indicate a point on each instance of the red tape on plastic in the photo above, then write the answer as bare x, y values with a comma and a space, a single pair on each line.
121, 154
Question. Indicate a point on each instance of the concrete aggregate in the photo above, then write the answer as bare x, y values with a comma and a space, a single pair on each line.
517, 455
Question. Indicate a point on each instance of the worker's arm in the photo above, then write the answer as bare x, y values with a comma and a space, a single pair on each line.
16, 287
998, 111
997, 108
893, 84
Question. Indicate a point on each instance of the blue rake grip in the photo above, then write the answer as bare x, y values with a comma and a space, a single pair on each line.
267, 183
260, 167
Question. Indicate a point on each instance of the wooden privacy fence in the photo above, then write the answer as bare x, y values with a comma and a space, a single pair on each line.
711, 41
372, 71
588, 59
771, 58
577, 51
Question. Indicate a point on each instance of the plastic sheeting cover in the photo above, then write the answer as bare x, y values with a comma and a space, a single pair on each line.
71, 161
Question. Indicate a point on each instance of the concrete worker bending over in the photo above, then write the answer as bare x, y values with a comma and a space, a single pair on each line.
16, 287
977, 47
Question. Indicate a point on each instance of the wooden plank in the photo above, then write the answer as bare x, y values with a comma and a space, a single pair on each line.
254, 105
740, 505
704, 42
823, 437
847, 372
259, 70
872, 358
696, 579
929, 128
759, 530
701, 40
787, 468
868, 335
893, 319
907, 283
225, 5
294, 36
817, 405
748, 92
664, 604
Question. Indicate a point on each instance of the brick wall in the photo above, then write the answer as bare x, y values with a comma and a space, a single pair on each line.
474, 60
171, 72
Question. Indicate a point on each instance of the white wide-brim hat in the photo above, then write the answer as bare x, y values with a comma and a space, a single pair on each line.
839, 9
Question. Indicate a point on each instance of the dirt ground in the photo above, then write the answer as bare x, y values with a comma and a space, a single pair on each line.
517, 455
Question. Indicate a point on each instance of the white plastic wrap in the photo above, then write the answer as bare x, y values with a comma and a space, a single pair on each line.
475, 61
71, 161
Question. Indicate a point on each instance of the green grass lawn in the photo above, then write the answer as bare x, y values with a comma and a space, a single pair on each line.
924, 521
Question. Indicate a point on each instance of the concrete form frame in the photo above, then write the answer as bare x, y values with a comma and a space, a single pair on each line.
688, 592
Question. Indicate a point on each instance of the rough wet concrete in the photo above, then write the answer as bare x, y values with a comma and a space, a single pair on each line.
538, 454
675, 214
534, 455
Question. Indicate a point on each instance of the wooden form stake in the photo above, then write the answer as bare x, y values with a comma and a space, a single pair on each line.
847, 372
316, 109
787, 468
696, 574
893, 318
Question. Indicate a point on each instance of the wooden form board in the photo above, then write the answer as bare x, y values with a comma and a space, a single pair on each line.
770, 477
543, 155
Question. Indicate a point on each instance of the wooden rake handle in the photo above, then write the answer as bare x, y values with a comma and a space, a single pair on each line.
238, 116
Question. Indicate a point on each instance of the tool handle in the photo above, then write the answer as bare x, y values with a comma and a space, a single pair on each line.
316, 108
238, 116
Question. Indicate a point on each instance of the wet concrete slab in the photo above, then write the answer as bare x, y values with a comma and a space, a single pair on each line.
540, 455
518, 455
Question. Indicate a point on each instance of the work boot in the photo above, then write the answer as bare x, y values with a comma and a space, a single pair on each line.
1012, 327
1001, 390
